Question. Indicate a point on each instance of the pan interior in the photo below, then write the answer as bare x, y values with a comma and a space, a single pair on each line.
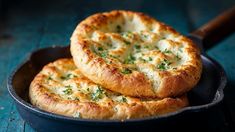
203, 93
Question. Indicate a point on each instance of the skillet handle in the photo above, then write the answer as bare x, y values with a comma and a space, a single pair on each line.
217, 29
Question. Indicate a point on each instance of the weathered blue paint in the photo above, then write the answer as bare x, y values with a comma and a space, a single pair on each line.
31, 25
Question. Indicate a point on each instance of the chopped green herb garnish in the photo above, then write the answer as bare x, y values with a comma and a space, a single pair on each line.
49, 78
164, 65
64, 77
126, 71
142, 59
161, 66
114, 56
68, 76
145, 36
98, 94
177, 57
156, 47
76, 98
88, 89
110, 45
162, 38
150, 58
115, 109
100, 49
180, 49
127, 34
137, 46
103, 54
167, 51
68, 90
146, 46
123, 99
127, 42
108, 61
167, 62
119, 28
130, 60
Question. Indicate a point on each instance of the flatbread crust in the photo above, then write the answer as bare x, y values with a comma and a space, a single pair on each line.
60, 88
135, 55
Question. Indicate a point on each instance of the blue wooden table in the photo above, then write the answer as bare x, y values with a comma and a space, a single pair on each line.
26, 26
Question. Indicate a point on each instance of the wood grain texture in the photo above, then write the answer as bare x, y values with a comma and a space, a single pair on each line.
30, 25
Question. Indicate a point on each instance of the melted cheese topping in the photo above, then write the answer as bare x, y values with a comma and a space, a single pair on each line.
60, 88
63, 79
149, 58
140, 50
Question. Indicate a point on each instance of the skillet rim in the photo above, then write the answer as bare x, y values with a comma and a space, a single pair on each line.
219, 95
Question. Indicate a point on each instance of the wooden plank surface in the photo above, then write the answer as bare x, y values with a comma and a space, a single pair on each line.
30, 25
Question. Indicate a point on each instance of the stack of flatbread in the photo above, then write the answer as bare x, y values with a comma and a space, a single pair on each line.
124, 65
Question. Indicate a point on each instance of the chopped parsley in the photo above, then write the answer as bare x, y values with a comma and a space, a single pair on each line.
114, 56
68, 76
103, 54
156, 47
166, 62
49, 78
145, 36
127, 34
68, 90
162, 38
98, 94
110, 45
137, 47
167, 51
119, 28
146, 46
164, 65
100, 49
126, 71
177, 57
130, 60
88, 89
123, 99
76, 98
142, 59
180, 49
145, 60
108, 61
161, 66
127, 42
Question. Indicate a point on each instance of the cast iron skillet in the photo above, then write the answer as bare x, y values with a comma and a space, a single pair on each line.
207, 94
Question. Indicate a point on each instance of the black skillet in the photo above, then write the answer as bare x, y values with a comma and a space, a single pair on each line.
205, 96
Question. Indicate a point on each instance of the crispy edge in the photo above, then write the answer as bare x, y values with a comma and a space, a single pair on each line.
44, 99
135, 84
